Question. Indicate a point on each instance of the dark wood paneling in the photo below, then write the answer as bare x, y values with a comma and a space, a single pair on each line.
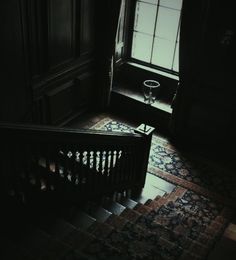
59, 103
46, 45
15, 94
61, 22
86, 26
38, 37
84, 90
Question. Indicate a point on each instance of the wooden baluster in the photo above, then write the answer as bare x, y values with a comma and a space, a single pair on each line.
86, 182
85, 167
94, 161
35, 173
73, 164
112, 172
67, 170
100, 176
73, 172
106, 176
121, 163
76, 167
118, 167
48, 179
62, 155
90, 176
82, 174
96, 174
108, 168
69, 164
56, 174
79, 167
115, 165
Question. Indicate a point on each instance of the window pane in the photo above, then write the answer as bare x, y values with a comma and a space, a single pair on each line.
175, 4
163, 51
176, 59
142, 46
145, 18
167, 23
150, 1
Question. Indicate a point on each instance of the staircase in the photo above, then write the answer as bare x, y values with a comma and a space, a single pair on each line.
60, 201
111, 228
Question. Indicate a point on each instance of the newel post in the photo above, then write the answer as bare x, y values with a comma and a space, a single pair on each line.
147, 132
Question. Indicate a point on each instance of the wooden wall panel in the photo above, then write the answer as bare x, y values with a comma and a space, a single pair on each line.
15, 92
47, 44
84, 95
60, 32
86, 26
59, 103
37, 36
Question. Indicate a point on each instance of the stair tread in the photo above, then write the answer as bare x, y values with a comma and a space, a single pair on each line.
71, 238
113, 207
98, 212
77, 239
167, 234
140, 199
159, 183
128, 203
81, 219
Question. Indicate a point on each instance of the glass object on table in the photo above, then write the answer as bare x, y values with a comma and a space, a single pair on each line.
150, 89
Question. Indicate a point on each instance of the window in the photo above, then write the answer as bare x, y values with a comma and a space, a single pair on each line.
147, 46
155, 34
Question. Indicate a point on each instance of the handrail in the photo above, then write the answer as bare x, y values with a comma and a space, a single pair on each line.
90, 162
40, 132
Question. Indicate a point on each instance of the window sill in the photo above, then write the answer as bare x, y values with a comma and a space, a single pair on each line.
135, 95
129, 77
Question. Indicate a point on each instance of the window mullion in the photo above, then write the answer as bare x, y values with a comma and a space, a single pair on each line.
176, 40
153, 38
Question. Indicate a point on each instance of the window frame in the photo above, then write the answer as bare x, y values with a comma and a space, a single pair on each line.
129, 73
129, 19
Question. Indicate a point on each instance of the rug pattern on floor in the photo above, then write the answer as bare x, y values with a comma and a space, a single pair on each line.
166, 162
180, 225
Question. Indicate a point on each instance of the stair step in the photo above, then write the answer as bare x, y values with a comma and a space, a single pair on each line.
100, 230
152, 191
113, 207
59, 228
130, 214
140, 199
159, 183
117, 222
81, 220
80, 241
128, 203
143, 209
97, 212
